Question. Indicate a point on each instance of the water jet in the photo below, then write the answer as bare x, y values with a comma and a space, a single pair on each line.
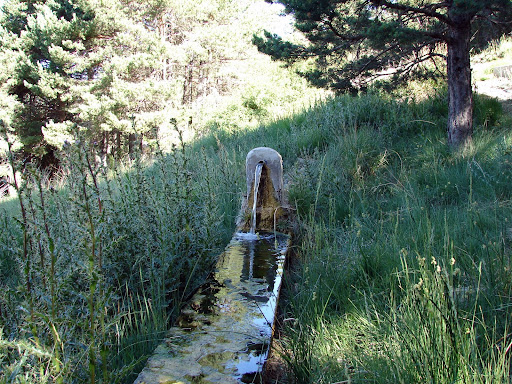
265, 192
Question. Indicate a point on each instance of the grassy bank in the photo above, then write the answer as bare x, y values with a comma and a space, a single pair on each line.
94, 266
404, 269
403, 272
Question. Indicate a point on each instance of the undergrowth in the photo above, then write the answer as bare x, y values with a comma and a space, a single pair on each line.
404, 248
405, 259
96, 263
404, 245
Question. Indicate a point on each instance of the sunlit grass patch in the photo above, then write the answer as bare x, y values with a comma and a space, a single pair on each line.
96, 268
405, 250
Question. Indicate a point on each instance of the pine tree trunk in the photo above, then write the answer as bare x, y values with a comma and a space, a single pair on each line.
118, 145
163, 37
460, 96
103, 148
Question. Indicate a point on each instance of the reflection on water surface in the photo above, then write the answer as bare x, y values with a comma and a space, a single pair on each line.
223, 334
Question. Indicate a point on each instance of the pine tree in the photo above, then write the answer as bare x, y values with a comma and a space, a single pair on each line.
74, 64
199, 40
356, 42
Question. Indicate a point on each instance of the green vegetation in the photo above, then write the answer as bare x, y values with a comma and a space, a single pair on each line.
403, 267
121, 70
404, 257
356, 44
93, 270
116, 220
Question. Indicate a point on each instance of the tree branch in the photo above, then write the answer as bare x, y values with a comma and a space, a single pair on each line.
340, 35
435, 35
403, 68
427, 11
375, 58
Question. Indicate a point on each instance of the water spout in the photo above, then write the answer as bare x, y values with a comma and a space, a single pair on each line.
265, 204
257, 178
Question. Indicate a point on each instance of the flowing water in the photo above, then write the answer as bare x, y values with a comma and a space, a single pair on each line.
257, 178
224, 333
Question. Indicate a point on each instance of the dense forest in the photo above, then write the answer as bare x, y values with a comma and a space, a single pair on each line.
125, 126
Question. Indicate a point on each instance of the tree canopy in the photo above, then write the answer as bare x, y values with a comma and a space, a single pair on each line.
115, 70
69, 64
356, 43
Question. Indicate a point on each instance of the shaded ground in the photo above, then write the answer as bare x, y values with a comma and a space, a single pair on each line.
276, 369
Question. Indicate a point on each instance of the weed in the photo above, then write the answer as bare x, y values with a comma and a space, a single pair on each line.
105, 262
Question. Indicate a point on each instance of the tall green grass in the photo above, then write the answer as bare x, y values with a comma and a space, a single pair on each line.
404, 271
95, 264
94, 271
404, 248
404, 245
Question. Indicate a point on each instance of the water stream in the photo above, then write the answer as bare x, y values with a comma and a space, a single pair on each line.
224, 332
257, 178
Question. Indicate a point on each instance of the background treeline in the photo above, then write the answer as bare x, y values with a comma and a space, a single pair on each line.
119, 71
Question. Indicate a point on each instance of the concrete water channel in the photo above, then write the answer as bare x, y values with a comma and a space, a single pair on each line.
224, 333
